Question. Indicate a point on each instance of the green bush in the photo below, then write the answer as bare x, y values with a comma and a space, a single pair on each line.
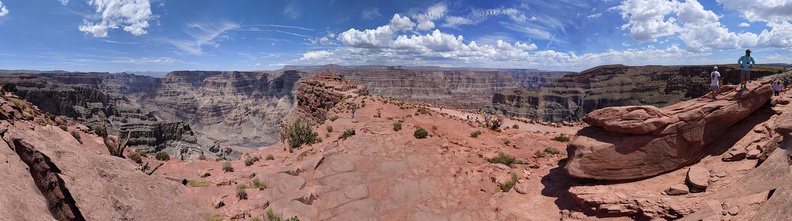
258, 184
515, 126
299, 133
434, 127
420, 133
397, 126
333, 118
99, 131
9, 87
475, 134
227, 167
76, 135
561, 138
347, 133
422, 110
509, 184
135, 156
329, 129
504, 158
270, 157
241, 194
539, 154
162, 155
552, 151
251, 160
271, 216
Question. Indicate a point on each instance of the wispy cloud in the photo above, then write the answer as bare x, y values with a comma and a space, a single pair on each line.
291, 10
370, 13
280, 26
203, 34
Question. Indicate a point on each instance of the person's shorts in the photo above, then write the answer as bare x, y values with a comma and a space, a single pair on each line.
715, 88
745, 75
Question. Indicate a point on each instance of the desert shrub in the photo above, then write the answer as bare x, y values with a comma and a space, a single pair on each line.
270, 157
258, 184
552, 151
198, 183
135, 156
539, 154
227, 167
299, 133
251, 160
515, 126
99, 131
333, 118
397, 126
220, 159
162, 155
434, 127
422, 110
494, 124
475, 134
348, 133
420, 133
506, 141
256, 219
272, 216
241, 194
64, 127
504, 158
202, 157
561, 138
509, 184
329, 129
76, 135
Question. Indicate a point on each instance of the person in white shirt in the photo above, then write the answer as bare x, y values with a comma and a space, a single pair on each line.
715, 82
777, 88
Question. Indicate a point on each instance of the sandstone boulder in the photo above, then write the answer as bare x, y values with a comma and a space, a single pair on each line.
624, 143
698, 177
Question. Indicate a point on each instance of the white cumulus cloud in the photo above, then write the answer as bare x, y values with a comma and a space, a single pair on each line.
647, 20
311, 55
3, 10
745, 24
401, 23
130, 15
765, 10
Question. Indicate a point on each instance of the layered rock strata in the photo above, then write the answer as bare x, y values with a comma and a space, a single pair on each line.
575, 95
634, 142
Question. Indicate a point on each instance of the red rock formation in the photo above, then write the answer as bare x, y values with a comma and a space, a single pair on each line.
318, 94
625, 143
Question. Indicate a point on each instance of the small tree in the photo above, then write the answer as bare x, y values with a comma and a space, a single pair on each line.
115, 146
300, 133
348, 133
9, 87
420, 133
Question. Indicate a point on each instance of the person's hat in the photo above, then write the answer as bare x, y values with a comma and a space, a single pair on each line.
716, 68
748, 51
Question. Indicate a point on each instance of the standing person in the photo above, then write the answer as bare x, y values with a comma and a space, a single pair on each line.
715, 82
777, 87
746, 62
353, 112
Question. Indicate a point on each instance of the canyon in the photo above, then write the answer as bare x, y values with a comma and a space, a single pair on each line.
194, 113
575, 95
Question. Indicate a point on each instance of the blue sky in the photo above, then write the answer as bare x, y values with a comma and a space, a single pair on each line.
166, 35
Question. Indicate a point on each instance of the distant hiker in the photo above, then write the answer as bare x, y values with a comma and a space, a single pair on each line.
746, 62
777, 87
786, 82
441, 107
353, 112
715, 82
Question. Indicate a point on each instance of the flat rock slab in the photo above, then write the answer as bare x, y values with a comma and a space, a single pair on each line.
626, 143
698, 177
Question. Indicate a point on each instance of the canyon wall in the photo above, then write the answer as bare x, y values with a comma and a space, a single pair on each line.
575, 95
